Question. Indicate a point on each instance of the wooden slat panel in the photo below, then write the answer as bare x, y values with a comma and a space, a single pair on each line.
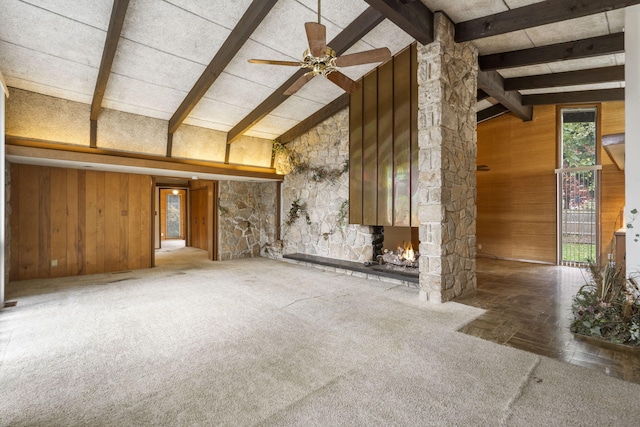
402, 138
414, 136
123, 223
72, 222
58, 230
146, 229
44, 221
134, 222
100, 221
355, 157
385, 144
370, 150
112, 222
15, 223
91, 221
82, 220
28, 222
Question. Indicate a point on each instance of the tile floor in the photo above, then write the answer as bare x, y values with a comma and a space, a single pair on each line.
529, 307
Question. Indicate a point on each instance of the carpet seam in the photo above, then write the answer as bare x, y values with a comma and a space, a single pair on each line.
518, 394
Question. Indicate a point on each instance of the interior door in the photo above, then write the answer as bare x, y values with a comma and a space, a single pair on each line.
199, 215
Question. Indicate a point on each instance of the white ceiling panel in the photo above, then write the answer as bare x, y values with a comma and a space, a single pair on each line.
51, 71
37, 29
273, 124
237, 91
150, 65
134, 109
263, 135
579, 64
574, 29
218, 113
460, 11
267, 75
224, 13
619, 57
513, 4
484, 104
615, 18
387, 34
318, 89
141, 94
57, 92
530, 70
576, 88
516, 40
336, 12
95, 13
296, 109
171, 29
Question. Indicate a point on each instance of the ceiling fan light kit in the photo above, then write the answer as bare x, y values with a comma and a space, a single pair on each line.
320, 59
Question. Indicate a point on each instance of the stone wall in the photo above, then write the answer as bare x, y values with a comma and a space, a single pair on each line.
246, 218
328, 234
447, 83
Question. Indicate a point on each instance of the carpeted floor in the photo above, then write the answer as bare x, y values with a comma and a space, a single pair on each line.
262, 342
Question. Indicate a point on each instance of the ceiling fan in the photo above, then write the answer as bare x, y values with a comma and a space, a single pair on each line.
321, 59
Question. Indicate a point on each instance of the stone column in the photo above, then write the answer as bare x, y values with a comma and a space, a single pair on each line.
447, 84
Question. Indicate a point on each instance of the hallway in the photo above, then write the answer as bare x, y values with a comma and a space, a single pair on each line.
529, 308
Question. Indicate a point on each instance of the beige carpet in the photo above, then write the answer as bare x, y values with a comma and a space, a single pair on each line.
262, 342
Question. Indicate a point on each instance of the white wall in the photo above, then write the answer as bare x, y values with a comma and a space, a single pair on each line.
3, 93
632, 132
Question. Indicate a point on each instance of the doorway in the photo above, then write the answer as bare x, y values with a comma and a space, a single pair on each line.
172, 216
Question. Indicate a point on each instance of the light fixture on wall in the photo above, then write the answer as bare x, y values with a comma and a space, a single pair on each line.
175, 192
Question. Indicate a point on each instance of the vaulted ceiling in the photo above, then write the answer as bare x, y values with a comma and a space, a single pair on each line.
185, 61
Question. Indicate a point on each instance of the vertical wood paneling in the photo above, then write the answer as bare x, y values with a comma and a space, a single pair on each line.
58, 230
81, 219
44, 220
82, 224
72, 222
91, 221
414, 136
402, 138
14, 273
134, 216
112, 222
355, 157
385, 144
370, 149
100, 221
28, 223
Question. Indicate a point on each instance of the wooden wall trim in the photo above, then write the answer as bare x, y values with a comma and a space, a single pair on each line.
45, 150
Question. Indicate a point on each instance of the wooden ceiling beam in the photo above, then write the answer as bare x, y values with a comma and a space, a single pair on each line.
534, 15
118, 13
595, 46
491, 112
240, 34
364, 23
578, 97
315, 119
568, 78
481, 95
492, 83
413, 16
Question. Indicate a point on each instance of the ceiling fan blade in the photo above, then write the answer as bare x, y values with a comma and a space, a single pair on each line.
275, 62
298, 84
374, 55
343, 81
317, 36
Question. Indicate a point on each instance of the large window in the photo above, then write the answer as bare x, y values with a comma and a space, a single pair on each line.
578, 186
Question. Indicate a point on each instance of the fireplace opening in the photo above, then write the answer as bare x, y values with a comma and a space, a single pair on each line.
396, 249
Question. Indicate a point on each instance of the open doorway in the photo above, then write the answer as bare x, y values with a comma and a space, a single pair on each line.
172, 218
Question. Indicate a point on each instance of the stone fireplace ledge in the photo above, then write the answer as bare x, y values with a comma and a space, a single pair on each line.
353, 268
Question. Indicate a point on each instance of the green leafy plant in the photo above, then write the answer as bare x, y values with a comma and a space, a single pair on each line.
290, 163
297, 208
608, 306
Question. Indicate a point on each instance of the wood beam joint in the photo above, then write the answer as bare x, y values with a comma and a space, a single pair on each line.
492, 83
414, 17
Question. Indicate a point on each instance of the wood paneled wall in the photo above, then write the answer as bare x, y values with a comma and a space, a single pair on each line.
203, 213
517, 197
383, 145
84, 221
